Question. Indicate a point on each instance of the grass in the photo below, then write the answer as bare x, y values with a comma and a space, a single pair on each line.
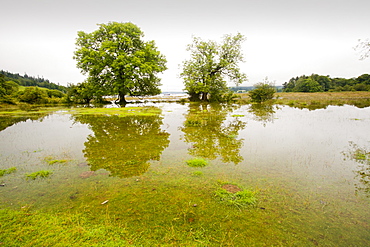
51, 161
236, 196
197, 173
7, 171
39, 174
197, 162
318, 100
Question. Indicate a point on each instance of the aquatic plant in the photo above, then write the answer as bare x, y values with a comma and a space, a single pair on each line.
41, 174
197, 162
7, 171
52, 161
233, 195
197, 173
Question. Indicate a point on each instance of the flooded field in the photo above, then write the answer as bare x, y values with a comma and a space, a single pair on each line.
186, 175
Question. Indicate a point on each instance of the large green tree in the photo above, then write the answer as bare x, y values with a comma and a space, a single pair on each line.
205, 73
116, 59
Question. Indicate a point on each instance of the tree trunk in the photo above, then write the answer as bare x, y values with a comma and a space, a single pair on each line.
121, 99
204, 96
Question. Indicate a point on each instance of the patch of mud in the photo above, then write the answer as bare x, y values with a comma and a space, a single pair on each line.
231, 188
87, 174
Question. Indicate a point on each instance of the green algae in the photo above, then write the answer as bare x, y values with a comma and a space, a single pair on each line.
121, 112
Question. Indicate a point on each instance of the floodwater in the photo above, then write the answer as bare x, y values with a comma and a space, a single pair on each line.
312, 186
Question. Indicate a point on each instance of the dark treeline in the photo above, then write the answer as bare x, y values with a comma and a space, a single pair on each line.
30, 81
321, 83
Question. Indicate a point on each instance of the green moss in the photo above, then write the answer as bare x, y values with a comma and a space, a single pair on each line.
197, 162
41, 174
7, 171
237, 115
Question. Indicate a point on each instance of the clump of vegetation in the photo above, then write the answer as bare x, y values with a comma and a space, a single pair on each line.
52, 161
262, 92
233, 195
7, 171
237, 115
197, 173
41, 174
197, 162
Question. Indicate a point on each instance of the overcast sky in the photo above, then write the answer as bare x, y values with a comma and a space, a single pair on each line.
285, 38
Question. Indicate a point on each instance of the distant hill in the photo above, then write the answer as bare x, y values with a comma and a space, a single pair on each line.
246, 89
30, 81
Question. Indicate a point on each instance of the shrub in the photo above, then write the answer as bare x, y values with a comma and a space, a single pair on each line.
263, 91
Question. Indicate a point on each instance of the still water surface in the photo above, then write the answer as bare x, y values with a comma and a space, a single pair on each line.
310, 189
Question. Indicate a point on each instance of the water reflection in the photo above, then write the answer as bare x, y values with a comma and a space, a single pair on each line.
263, 112
123, 145
211, 135
362, 157
7, 121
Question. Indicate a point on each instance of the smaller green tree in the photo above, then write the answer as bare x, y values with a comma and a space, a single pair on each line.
205, 73
262, 91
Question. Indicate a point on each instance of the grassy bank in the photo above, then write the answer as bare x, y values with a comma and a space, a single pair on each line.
319, 100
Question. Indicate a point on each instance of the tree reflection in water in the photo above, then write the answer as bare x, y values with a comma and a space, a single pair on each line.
123, 145
263, 112
362, 157
211, 135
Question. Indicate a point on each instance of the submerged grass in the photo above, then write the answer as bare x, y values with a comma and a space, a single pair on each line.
197, 162
7, 171
125, 111
233, 195
39, 174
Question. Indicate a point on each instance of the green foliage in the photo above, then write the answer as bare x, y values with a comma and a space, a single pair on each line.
39, 174
320, 83
118, 61
263, 91
29, 81
85, 92
205, 73
7, 171
33, 95
36, 95
197, 162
